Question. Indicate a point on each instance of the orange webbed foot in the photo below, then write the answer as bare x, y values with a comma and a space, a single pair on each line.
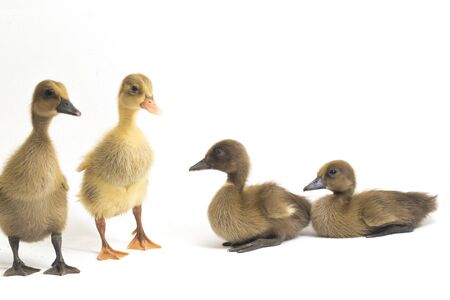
110, 253
142, 242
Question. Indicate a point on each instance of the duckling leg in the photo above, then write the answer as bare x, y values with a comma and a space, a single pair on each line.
106, 252
257, 244
59, 267
18, 268
391, 229
140, 240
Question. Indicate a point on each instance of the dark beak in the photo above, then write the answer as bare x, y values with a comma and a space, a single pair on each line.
66, 107
201, 165
316, 184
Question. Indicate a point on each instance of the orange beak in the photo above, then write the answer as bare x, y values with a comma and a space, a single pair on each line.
150, 105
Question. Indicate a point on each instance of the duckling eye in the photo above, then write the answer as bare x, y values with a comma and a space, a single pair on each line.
218, 151
332, 172
49, 93
134, 89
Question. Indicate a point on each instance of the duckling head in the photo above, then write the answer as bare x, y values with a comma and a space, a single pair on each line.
50, 98
337, 176
228, 156
136, 92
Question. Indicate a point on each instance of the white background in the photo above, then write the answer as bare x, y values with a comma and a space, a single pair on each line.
299, 83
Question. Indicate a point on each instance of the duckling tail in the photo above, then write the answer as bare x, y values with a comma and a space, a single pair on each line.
422, 203
304, 208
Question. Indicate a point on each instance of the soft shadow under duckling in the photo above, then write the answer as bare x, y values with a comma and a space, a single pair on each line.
250, 217
33, 190
371, 214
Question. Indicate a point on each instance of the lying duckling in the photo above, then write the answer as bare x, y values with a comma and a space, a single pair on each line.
116, 171
250, 217
371, 214
33, 191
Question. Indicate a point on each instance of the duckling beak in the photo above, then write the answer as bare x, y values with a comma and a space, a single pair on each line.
316, 184
66, 107
201, 165
150, 105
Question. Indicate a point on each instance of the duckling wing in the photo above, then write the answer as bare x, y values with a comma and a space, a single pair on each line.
65, 185
378, 209
276, 202
378, 217
82, 166
86, 162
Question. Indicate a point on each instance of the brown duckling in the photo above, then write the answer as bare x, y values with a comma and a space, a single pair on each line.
116, 171
371, 214
33, 191
250, 217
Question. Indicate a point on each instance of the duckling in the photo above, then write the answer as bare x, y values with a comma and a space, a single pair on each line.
33, 190
250, 217
371, 214
116, 171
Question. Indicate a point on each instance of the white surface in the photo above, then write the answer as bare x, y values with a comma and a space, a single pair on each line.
298, 83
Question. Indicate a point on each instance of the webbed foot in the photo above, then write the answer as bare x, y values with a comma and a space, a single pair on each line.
61, 268
110, 253
256, 244
391, 229
20, 269
142, 242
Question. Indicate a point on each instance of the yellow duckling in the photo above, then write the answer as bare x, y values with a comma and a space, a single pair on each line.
116, 171
33, 190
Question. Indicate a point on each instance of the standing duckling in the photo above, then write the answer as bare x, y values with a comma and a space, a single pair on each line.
33, 191
371, 214
250, 217
116, 171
